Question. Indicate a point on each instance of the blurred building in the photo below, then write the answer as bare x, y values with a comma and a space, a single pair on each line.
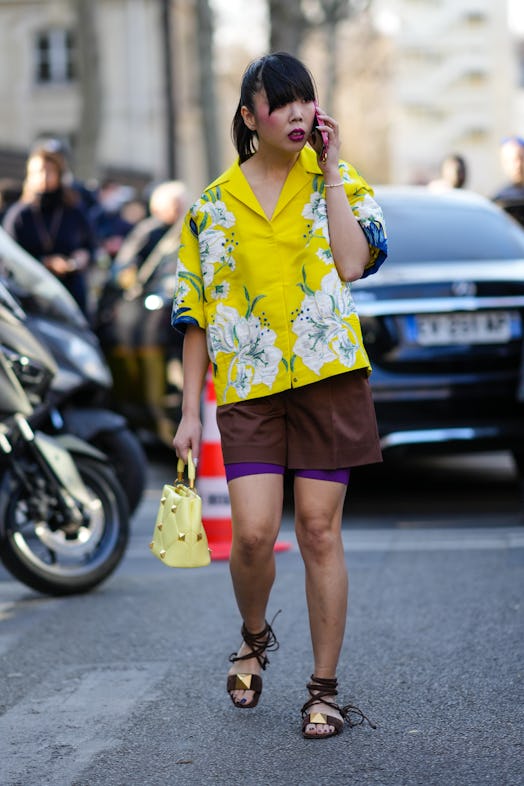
453, 88
114, 112
417, 79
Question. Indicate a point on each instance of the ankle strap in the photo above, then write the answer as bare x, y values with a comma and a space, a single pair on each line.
320, 688
258, 643
325, 685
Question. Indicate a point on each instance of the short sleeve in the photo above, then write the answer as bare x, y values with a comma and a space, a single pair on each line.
369, 215
188, 302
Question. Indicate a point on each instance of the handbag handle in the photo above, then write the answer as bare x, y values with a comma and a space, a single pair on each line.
190, 469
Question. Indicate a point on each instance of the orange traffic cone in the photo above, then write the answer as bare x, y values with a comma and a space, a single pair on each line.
212, 483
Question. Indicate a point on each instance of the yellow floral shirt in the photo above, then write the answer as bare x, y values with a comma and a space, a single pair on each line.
266, 291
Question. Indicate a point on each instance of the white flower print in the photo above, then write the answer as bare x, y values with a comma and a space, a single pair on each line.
216, 250
255, 358
366, 210
212, 245
316, 211
181, 286
218, 213
181, 290
322, 326
325, 255
220, 291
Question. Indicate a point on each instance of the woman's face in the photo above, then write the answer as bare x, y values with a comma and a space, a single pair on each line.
42, 175
512, 157
286, 128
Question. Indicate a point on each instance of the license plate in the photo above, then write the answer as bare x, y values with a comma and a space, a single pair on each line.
478, 327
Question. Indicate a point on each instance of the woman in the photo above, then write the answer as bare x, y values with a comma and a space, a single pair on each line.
49, 223
267, 254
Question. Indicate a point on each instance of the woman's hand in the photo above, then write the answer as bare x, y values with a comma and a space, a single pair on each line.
329, 126
188, 436
61, 265
57, 264
349, 244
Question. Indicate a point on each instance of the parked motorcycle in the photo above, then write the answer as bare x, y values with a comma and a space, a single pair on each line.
64, 521
80, 390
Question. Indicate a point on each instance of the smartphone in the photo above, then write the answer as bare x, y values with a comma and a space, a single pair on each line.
320, 139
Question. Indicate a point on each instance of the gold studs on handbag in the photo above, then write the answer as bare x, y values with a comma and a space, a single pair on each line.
179, 538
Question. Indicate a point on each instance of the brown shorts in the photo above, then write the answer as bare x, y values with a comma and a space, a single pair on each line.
325, 425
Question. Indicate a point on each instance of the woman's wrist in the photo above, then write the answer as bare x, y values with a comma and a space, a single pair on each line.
332, 178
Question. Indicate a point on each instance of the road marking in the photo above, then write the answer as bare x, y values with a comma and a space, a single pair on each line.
424, 539
62, 726
435, 539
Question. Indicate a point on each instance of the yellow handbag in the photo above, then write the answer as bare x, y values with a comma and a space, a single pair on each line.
179, 538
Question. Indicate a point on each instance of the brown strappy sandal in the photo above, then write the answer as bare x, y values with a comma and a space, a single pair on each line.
259, 644
320, 688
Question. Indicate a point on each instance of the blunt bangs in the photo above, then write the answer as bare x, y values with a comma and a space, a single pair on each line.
284, 79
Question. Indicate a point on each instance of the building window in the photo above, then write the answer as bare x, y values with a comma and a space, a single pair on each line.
54, 55
475, 18
475, 78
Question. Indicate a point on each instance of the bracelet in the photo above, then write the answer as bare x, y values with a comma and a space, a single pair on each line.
334, 185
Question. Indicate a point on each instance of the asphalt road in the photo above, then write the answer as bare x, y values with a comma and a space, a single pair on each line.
125, 686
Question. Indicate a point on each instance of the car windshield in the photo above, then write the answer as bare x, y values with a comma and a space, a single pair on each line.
446, 232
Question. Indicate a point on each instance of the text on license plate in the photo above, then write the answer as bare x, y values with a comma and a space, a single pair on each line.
478, 327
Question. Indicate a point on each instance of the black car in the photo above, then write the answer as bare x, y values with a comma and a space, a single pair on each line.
443, 324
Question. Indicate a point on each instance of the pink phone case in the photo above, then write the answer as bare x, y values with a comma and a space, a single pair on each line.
325, 139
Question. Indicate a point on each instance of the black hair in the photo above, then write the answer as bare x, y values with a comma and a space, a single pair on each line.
461, 169
284, 79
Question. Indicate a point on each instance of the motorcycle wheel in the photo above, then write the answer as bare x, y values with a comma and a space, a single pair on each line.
57, 561
128, 460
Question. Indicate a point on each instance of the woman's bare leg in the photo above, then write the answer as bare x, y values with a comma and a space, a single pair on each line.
318, 519
256, 508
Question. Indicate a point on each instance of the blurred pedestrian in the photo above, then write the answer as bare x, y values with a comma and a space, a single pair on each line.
108, 223
10, 192
86, 196
167, 204
511, 195
453, 173
151, 243
263, 285
49, 223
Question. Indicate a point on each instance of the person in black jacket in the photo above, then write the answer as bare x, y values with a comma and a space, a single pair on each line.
50, 224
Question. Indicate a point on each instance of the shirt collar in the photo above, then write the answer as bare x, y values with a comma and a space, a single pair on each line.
234, 182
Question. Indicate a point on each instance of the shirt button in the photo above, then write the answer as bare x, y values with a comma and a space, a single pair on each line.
295, 379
